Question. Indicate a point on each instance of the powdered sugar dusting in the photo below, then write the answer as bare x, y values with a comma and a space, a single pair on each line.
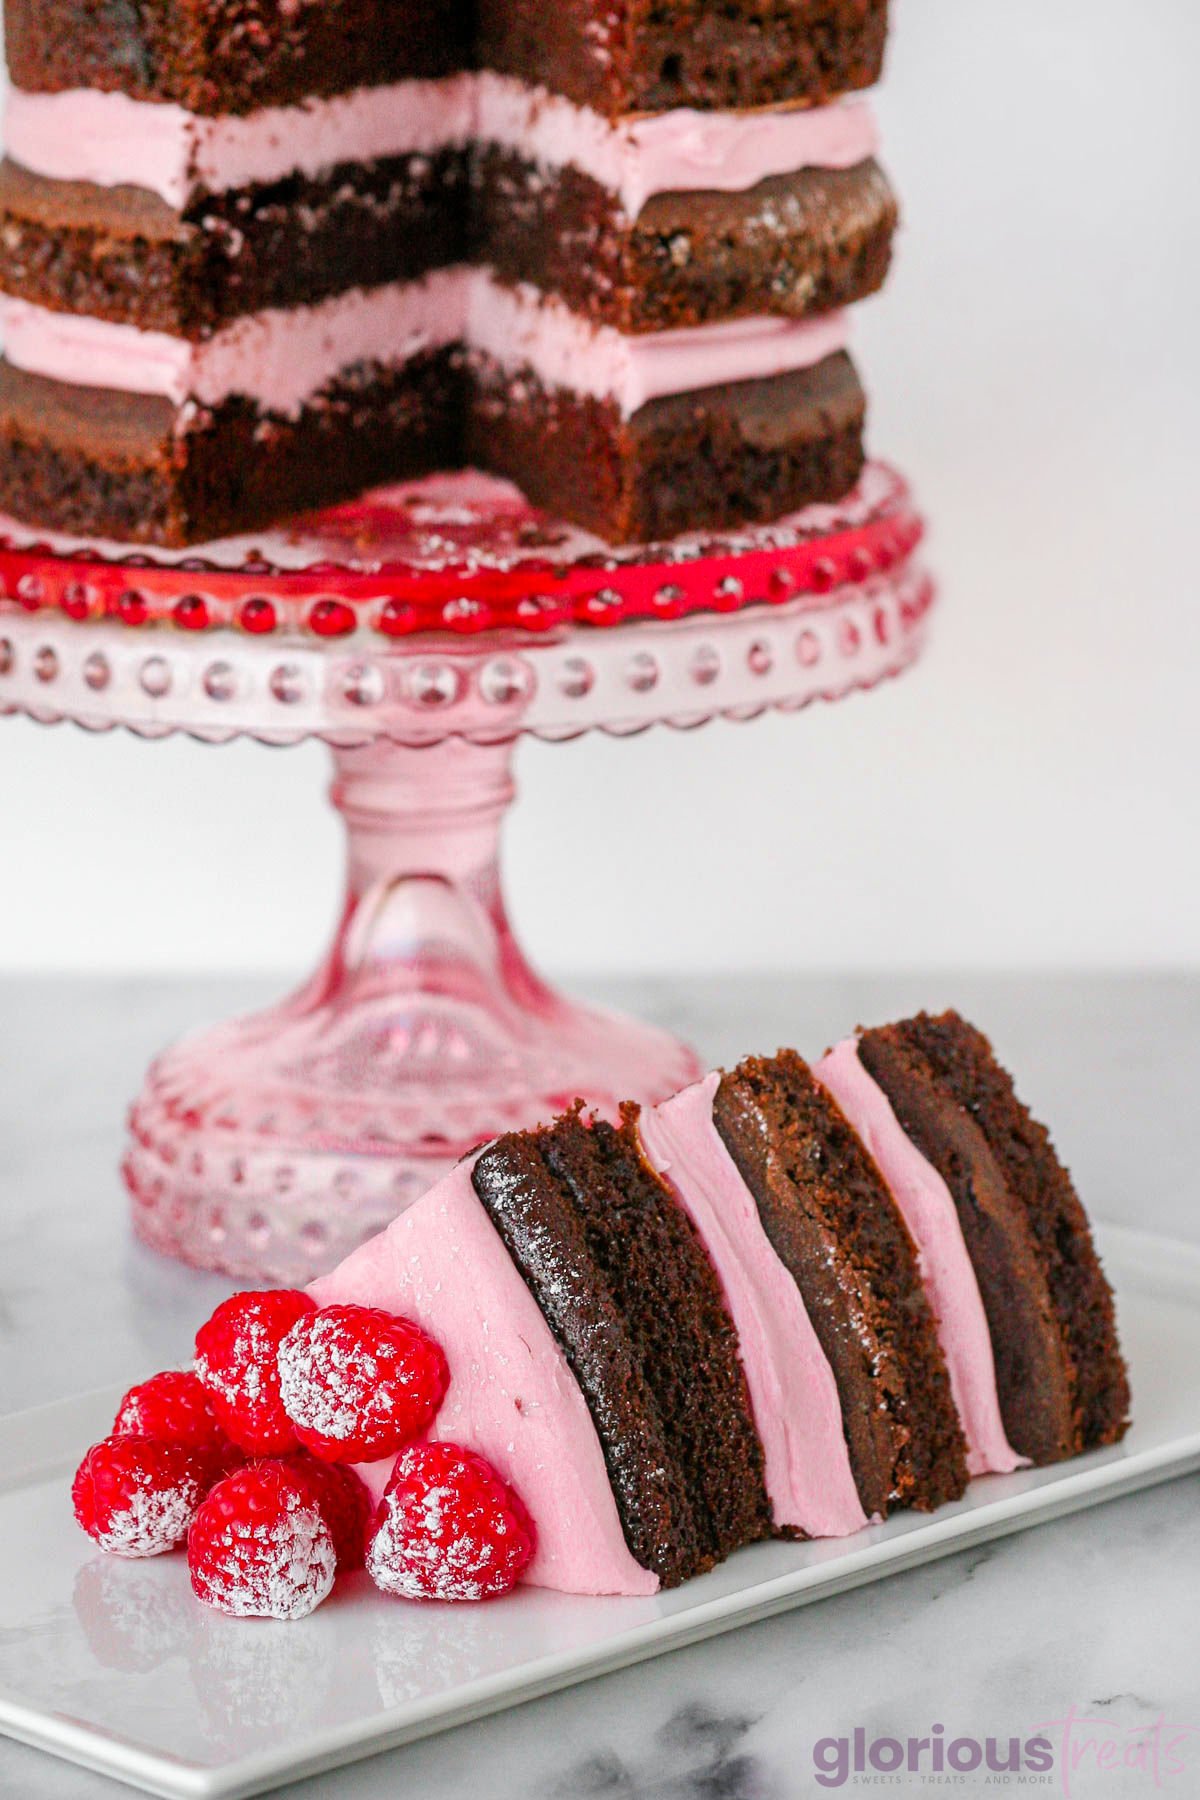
236, 1365
359, 1380
154, 1519
322, 1378
281, 1568
241, 1378
449, 1529
432, 1564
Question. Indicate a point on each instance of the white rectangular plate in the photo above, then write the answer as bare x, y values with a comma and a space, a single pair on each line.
113, 1665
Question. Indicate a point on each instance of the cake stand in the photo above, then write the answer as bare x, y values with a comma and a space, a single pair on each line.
419, 633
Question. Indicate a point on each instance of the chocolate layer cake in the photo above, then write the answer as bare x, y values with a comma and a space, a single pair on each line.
831, 1221
1061, 1381
628, 242
623, 1280
756, 1308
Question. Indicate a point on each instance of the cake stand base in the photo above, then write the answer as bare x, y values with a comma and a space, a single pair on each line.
273, 1145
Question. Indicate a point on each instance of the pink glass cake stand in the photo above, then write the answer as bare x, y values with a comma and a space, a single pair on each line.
419, 633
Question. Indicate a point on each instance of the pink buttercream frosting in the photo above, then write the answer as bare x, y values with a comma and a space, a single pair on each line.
680, 151
928, 1210
512, 1396
791, 1385
280, 358
113, 141
518, 325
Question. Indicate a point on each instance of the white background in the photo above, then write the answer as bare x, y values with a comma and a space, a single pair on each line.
1029, 796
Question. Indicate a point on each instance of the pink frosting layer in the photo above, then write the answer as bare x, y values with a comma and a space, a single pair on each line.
281, 358
519, 326
929, 1212
112, 141
671, 152
512, 1396
791, 1385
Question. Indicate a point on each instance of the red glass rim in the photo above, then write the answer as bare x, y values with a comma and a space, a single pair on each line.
489, 580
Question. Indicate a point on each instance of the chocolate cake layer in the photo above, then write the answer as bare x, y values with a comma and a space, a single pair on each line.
231, 56
1061, 1380
548, 1240
670, 1298
713, 458
792, 244
649, 54
91, 461
832, 1222
123, 254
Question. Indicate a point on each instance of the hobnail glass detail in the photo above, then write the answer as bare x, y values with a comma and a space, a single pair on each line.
270, 1146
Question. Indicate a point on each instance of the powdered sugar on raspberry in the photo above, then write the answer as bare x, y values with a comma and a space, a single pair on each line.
289, 1573
323, 1382
260, 1546
357, 1383
253, 1347
235, 1362
151, 1520
136, 1497
431, 1565
449, 1528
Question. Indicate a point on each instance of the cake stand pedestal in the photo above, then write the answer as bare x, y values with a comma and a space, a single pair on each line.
420, 634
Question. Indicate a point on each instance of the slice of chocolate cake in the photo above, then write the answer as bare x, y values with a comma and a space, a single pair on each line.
627, 1287
1062, 1384
833, 1223
754, 1308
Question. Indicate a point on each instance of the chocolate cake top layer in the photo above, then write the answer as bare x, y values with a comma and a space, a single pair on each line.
834, 1225
628, 1290
647, 55
230, 56
1062, 1382
234, 55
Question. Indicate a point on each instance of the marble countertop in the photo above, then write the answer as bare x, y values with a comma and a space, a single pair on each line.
1095, 1612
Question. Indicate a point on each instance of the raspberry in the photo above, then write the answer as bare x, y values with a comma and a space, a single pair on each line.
259, 1547
136, 1497
235, 1361
357, 1383
172, 1407
449, 1528
344, 1503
